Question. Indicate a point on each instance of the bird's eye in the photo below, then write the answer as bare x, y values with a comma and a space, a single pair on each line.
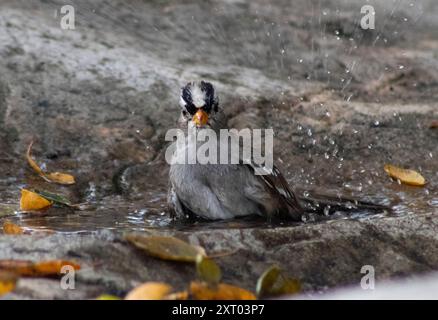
184, 113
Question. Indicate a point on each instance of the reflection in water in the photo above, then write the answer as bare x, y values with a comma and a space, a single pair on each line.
148, 211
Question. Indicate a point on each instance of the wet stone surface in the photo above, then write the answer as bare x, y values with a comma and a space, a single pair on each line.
98, 100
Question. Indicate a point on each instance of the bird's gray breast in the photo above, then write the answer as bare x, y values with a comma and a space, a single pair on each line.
216, 191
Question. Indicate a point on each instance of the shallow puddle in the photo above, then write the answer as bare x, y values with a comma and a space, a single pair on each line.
121, 214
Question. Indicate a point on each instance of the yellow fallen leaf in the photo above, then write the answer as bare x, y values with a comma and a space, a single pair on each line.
61, 178
8, 281
267, 281
149, 291
208, 271
182, 295
107, 297
36, 269
56, 177
405, 176
202, 291
11, 228
31, 201
166, 248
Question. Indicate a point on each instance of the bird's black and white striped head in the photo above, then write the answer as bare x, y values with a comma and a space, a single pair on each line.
198, 102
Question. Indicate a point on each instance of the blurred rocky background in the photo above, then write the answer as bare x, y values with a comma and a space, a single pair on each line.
343, 101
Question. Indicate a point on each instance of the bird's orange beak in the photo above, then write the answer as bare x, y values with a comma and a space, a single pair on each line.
200, 118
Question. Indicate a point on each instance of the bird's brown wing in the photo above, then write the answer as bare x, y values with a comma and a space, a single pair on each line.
278, 185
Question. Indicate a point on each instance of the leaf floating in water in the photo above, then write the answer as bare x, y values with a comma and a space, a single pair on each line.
36, 269
149, 291
274, 283
202, 291
107, 297
12, 228
8, 281
31, 201
166, 248
208, 270
405, 176
56, 177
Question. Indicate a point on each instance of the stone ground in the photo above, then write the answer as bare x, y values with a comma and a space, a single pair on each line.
342, 101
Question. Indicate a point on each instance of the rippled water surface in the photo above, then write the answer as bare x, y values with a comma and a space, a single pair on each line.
150, 212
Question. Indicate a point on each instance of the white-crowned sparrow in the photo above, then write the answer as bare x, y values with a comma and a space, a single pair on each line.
225, 191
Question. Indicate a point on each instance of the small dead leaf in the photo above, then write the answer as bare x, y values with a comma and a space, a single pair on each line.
31, 201
149, 291
182, 295
267, 281
56, 177
287, 286
54, 198
8, 281
60, 178
107, 297
434, 124
12, 228
273, 282
202, 291
36, 269
208, 270
166, 248
405, 176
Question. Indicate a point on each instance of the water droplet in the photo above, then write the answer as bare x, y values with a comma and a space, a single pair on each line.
326, 210
306, 194
401, 67
309, 132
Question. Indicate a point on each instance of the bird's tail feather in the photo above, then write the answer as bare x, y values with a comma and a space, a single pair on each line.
327, 204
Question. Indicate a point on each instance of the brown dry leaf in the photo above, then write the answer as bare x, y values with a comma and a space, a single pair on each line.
166, 248
202, 291
56, 177
8, 281
12, 228
406, 176
434, 124
149, 291
31, 201
36, 269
